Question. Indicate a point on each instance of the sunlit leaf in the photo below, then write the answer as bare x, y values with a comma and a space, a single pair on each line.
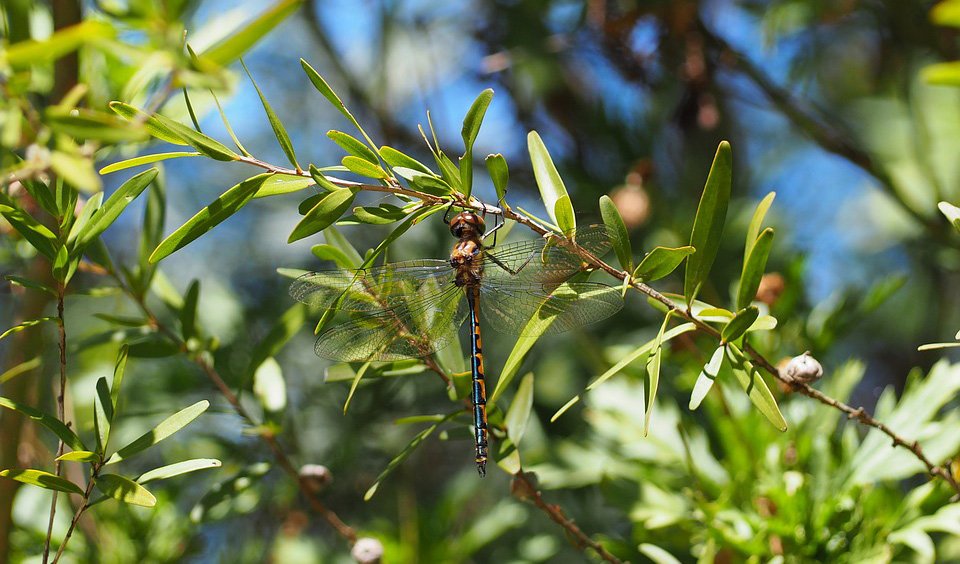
60, 43
363, 167
652, 377
68, 437
84, 124
551, 185
188, 313
753, 267
102, 414
757, 390
240, 41
469, 131
269, 387
125, 490
37, 234
178, 468
706, 378
92, 205
114, 206
167, 427
660, 262
283, 138
209, 217
519, 411
620, 237
327, 211
166, 129
499, 174
951, 212
708, 225
395, 159
283, 184
79, 456
42, 479
24, 325
353, 146
756, 222
738, 326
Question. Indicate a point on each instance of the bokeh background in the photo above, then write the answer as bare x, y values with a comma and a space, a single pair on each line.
823, 102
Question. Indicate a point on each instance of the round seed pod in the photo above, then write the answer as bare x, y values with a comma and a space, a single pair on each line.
367, 551
803, 369
315, 477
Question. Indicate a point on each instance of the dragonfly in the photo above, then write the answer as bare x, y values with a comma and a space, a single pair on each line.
412, 309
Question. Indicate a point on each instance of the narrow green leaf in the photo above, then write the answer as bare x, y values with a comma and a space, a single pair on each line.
24, 325
652, 378
166, 129
566, 219
384, 214
92, 205
167, 427
63, 267
469, 131
103, 414
60, 43
188, 313
621, 239
708, 225
531, 333
519, 412
37, 234
946, 13
32, 284
363, 167
41, 193
209, 217
396, 159
549, 181
269, 387
282, 331
114, 206
706, 378
353, 146
229, 489
42, 479
153, 346
278, 129
283, 184
448, 171
324, 214
177, 469
399, 230
118, 370
660, 262
151, 233
335, 238
739, 324
942, 74
406, 452
430, 184
757, 390
125, 490
240, 41
84, 124
331, 253
756, 223
226, 124
79, 456
753, 267
322, 180
353, 385
499, 174
68, 437
22, 368
193, 115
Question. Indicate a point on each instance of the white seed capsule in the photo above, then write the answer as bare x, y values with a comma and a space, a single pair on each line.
316, 477
803, 369
367, 551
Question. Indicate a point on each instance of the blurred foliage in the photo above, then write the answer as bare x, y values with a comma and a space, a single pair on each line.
831, 104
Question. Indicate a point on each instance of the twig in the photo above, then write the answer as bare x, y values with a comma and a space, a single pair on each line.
84, 504
529, 491
61, 328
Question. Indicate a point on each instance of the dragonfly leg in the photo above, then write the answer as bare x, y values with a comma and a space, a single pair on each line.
499, 224
479, 396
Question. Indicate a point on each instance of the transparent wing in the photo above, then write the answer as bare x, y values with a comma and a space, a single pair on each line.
545, 261
572, 304
370, 289
417, 326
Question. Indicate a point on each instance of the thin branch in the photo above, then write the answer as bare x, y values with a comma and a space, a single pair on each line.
84, 504
61, 328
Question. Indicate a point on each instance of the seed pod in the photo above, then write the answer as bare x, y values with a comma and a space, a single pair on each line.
803, 369
367, 551
315, 477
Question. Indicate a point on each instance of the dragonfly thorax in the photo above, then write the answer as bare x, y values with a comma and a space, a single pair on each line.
466, 225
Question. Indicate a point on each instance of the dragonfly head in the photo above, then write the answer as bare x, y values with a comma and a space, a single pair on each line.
466, 224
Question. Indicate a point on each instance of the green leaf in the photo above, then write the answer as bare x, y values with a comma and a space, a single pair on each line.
469, 131
153, 346
60, 43
226, 124
430, 184
708, 225
946, 13
114, 206
660, 262
336, 239
63, 267
621, 239
322, 180
363, 167
278, 129
32, 284
656, 554
942, 74
79, 456
353, 385
530, 334
269, 387
37, 234
240, 41
209, 217
324, 213
951, 212
166, 129
652, 378
551, 185
178, 468
167, 427
42, 479
83, 124
499, 174
519, 412
753, 267
125, 490
706, 378
396, 159
756, 223
283, 184
186, 101
353, 146
76, 170
331, 253
384, 214
24, 325
103, 414
118, 370
68, 437
757, 390
740, 323
228, 490
406, 452
188, 313
92, 205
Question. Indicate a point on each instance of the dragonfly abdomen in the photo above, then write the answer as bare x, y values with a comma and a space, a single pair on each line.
479, 396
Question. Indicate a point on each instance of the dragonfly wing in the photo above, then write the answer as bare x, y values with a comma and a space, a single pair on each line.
370, 289
544, 260
415, 327
569, 305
